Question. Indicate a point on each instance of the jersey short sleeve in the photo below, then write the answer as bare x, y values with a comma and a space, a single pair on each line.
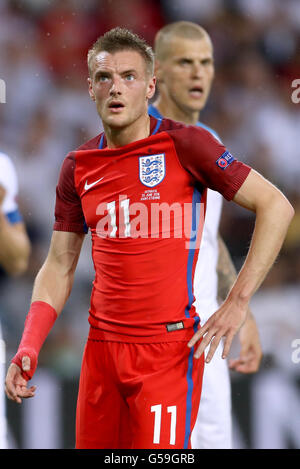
9, 180
68, 211
207, 159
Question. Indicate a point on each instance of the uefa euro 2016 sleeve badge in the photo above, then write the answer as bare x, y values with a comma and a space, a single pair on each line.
225, 160
152, 169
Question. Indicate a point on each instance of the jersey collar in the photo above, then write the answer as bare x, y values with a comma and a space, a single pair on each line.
154, 127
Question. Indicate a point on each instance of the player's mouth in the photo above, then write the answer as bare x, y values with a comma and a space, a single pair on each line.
196, 92
116, 106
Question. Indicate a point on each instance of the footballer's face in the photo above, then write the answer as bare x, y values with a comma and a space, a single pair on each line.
121, 86
186, 74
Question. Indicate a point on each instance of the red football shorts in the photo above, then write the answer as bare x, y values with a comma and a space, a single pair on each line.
137, 395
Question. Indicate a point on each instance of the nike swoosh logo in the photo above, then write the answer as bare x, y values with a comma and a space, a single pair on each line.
88, 186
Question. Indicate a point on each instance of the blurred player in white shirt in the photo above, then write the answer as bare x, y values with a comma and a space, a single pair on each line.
14, 253
185, 71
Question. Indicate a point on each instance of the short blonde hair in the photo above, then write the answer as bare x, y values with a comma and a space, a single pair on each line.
118, 39
183, 29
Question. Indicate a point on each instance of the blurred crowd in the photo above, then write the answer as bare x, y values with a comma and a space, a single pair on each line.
43, 47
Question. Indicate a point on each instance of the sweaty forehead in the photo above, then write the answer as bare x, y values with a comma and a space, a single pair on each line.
118, 61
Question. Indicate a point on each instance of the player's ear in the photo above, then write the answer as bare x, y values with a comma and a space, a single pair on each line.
151, 87
91, 91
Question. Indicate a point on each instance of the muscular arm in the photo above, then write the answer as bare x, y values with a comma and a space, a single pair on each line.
250, 354
53, 283
273, 216
51, 290
14, 244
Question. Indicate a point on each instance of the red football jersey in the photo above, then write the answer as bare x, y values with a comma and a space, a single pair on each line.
144, 204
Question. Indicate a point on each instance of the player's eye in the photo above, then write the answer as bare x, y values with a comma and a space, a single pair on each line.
185, 62
206, 62
101, 77
129, 77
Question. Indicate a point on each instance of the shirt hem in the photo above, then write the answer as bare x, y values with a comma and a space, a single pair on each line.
183, 335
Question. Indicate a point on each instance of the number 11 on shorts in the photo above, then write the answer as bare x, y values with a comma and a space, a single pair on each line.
157, 423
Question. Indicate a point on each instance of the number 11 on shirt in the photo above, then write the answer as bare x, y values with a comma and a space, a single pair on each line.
111, 208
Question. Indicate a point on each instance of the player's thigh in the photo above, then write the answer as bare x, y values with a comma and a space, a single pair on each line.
164, 407
100, 407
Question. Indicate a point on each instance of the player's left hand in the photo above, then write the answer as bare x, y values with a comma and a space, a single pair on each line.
251, 352
225, 322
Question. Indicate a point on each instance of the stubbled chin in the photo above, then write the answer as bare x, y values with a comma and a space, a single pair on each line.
196, 104
116, 121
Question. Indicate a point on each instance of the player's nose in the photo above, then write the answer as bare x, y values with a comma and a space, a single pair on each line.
197, 70
115, 87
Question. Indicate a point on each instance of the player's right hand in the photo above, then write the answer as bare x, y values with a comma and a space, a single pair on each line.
16, 385
224, 323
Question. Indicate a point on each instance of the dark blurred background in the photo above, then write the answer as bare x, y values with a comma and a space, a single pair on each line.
43, 46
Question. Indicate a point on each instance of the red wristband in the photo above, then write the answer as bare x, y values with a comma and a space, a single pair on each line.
38, 324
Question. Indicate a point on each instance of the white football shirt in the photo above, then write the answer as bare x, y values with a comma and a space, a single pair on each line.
8, 179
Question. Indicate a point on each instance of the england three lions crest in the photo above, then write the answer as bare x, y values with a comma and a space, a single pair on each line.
152, 169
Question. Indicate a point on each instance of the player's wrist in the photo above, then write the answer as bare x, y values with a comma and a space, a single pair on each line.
39, 322
29, 352
240, 295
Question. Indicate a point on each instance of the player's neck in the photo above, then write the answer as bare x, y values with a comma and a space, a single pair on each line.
118, 137
169, 109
